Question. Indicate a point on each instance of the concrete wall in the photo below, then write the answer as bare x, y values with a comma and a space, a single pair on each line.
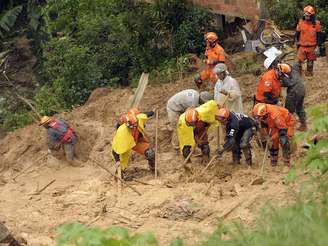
240, 8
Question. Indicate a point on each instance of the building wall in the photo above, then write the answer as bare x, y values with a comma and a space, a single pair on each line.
241, 8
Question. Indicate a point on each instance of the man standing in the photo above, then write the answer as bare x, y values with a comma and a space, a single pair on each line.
280, 126
227, 90
269, 88
193, 126
178, 104
239, 132
214, 54
308, 37
131, 136
60, 134
290, 77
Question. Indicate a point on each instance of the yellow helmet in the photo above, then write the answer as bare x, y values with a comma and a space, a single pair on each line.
44, 120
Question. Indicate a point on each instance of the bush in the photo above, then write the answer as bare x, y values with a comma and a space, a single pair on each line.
78, 234
13, 113
103, 43
72, 72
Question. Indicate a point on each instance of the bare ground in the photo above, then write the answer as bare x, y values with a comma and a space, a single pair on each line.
174, 205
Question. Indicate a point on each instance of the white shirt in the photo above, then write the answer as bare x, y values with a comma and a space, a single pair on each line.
234, 101
183, 100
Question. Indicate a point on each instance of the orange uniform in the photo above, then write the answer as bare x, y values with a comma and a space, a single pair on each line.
269, 88
142, 143
279, 119
307, 39
214, 56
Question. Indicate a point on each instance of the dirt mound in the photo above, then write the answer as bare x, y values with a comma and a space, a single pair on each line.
175, 205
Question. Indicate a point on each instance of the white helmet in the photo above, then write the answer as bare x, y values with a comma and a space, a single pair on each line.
268, 61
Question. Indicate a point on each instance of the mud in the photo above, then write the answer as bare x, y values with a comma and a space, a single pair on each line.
179, 203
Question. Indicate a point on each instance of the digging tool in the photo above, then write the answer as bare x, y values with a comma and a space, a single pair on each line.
119, 178
192, 150
219, 130
156, 144
205, 168
260, 180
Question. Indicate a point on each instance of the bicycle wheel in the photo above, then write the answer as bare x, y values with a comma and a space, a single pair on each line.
269, 37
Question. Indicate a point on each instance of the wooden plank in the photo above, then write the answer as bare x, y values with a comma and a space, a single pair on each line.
140, 91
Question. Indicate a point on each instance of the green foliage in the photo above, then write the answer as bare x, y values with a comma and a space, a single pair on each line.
287, 13
171, 70
78, 234
72, 72
99, 43
13, 114
317, 156
8, 19
48, 102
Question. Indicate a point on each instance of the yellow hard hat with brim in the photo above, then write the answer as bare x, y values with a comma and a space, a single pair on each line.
44, 120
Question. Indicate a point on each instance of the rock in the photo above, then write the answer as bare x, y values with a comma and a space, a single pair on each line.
258, 181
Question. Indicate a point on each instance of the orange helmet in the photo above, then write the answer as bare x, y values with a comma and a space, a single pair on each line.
309, 10
133, 111
223, 114
211, 37
191, 116
130, 120
284, 68
260, 110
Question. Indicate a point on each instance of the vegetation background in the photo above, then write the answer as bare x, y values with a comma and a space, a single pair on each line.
84, 44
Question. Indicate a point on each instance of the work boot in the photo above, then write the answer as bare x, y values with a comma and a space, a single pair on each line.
302, 127
205, 159
235, 159
274, 163
150, 156
274, 157
248, 155
287, 162
309, 69
205, 148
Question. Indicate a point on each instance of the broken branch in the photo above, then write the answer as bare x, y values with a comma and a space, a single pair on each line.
113, 175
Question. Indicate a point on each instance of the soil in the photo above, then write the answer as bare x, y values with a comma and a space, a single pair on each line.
180, 203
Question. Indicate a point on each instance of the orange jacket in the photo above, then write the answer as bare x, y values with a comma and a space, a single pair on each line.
308, 32
269, 83
214, 55
279, 118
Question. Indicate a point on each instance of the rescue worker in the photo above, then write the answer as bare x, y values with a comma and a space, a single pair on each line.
178, 104
193, 126
123, 118
269, 88
308, 37
227, 90
60, 134
214, 54
290, 77
240, 129
131, 136
280, 126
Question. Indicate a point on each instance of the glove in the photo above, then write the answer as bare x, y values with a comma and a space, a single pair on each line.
224, 92
57, 146
219, 152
